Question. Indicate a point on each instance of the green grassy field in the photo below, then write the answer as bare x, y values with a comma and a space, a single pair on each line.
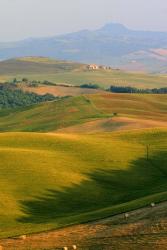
52, 180
50, 116
102, 78
75, 73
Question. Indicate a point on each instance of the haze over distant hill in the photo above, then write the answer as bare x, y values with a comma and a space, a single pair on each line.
113, 44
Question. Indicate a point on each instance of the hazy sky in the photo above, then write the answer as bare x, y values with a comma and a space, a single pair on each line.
21, 19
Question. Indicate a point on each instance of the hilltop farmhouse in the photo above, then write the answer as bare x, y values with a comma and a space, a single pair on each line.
93, 67
96, 67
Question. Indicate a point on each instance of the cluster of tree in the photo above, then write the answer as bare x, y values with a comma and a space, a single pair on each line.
90, 86
30, 83
10, 97
124, 89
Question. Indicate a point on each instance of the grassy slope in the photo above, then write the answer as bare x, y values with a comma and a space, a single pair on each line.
52, 180
133, 105
134, 112
78, 110
36, 65
116, 123
49, 116
74, 73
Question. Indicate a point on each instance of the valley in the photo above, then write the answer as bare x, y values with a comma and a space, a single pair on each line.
83, 125
82, 159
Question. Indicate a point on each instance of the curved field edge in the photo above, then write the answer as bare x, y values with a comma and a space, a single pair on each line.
90, 217
78, 155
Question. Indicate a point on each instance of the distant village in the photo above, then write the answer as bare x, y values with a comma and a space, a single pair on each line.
97, 67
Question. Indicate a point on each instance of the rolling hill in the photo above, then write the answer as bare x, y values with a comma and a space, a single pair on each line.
53, 180
67, 72
60, 163
49, 116
114, 44
134, 110
36, 65
153, 107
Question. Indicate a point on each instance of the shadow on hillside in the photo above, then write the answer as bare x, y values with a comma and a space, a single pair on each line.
103, 188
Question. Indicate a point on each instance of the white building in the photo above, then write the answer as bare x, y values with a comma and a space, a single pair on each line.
93, 67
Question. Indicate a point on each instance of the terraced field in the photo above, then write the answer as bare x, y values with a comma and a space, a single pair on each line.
53, 180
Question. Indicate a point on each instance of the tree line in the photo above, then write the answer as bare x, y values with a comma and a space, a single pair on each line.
10, 97
124, 89
127, 89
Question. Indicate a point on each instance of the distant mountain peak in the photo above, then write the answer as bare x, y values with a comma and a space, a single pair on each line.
113, 44
114, 27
